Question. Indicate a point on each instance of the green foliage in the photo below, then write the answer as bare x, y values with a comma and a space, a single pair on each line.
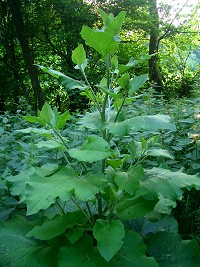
94, 176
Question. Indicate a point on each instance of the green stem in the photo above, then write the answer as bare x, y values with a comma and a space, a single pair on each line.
120, 109
60, 208
90, 212
96, 102
84, 213
100, 208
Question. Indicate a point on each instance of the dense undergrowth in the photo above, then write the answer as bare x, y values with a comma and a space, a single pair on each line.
115, 186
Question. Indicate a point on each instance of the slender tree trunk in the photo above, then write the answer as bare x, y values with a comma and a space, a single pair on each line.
21, 34
154, 73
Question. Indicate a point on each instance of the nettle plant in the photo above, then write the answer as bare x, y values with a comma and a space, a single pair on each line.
78, 211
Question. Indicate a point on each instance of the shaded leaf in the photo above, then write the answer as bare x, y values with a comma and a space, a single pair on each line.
19, 251
83, 254
56, 226
133, 253
170, 250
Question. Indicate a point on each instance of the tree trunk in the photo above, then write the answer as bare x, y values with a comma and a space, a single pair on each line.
21, 34
154, 73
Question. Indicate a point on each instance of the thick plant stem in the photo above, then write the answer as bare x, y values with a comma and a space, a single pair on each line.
104, 132
105, 101
90, 212
85, 214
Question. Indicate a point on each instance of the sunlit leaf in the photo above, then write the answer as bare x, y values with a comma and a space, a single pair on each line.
102, 42
79, 55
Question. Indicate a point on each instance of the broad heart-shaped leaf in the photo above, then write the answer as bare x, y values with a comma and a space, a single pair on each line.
170, 250
129, 181
56, 226
168, 186
79, 55
66, 81
136, 83
102, 42
94, 148
109, 237
82, 254
133, 253
42, 191
154, 122
19, 251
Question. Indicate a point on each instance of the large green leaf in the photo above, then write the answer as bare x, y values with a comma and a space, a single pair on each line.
43, 191
133, 253
168, 186
154, 122
56, 226
91, 121
66, 81
133, 208
129, 181
82, 254
170, 250
19, 251
102, 42
94, 148
109, 237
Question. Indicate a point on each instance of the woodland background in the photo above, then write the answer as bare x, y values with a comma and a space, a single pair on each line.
46, 32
